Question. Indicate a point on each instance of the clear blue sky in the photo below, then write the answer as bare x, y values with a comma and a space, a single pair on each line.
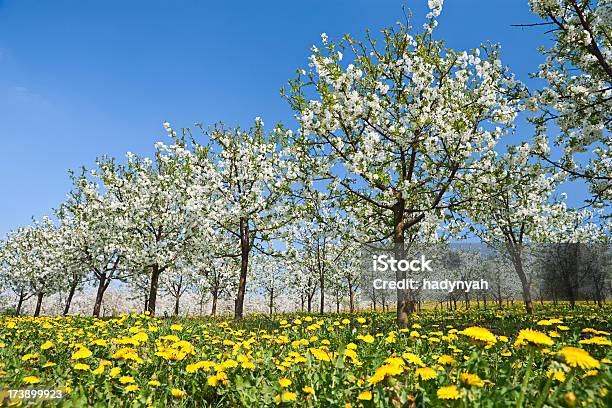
79, 79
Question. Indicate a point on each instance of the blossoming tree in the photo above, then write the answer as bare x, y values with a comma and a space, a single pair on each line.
401, 125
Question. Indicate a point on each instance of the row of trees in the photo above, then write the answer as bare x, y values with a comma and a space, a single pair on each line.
399, 146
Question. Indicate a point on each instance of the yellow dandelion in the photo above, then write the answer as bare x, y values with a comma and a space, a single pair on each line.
533, 337
309, 390
446, 360
31, 379
365, 396
597, 340
81, 353
132, 388
288, 396
472, 379
576, 357
177, 393
368, 338
284, 382
126, 379
479, 334
81, 367
448, 392
425, 373
556, 374
30, 356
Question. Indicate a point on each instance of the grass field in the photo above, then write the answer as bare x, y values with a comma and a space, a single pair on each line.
473, 358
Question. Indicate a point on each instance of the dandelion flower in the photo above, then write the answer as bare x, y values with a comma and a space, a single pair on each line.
81, 353
126, 379
31, 379
479, 334
288, 396
448, 392
81, 367
425, 373
368, 338
576, 357
533, 337
472, 379
598, 340
309, 390
365, 396
177, 393
446, 360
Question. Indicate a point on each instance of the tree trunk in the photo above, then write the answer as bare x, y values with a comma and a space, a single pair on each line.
102, 285
245, 248
39, 299
271, 303
155, 272
146, 301
69, 299
351, 296
177, 300
215, 296
20, 302
403, 301
518, 267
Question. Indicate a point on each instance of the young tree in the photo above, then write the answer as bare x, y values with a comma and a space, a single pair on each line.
74, 273
11, 269
271, 277
245, 176
401, 126
36, 260
97, 238
152, 195
177, 281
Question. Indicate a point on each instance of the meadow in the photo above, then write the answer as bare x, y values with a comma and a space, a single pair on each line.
465, 358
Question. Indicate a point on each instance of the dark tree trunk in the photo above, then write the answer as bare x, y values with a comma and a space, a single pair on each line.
351, 295
155, 272
39, 299
245, 248
69, 299
404, 306
146, 301
20, 301
177, 297
518, 267
213, 309
103, 282
177, 300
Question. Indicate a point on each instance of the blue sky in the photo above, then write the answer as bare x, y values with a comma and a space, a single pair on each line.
79, 79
